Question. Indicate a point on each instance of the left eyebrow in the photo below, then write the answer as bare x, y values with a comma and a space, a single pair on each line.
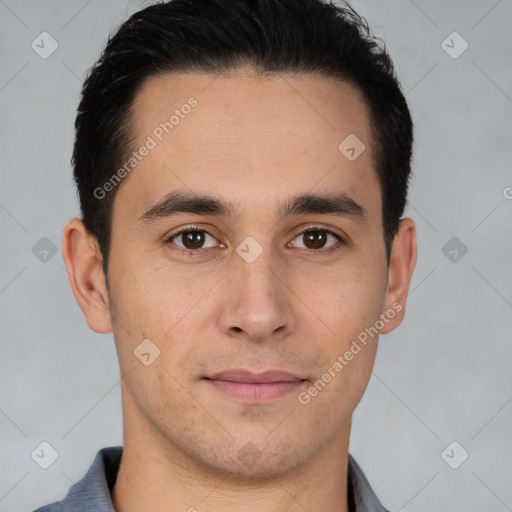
178, 202
339, 204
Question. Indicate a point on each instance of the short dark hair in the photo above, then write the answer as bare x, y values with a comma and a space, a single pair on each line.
275, 37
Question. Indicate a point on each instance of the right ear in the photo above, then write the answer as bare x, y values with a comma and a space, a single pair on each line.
83, 258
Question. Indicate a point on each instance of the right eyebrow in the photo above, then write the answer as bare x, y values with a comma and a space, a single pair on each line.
177, 202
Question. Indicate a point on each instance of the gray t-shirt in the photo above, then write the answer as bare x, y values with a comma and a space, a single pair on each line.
92, 492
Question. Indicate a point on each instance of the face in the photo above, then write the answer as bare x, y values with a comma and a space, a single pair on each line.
256, 302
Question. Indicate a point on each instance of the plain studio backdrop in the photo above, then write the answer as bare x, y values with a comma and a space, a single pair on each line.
433, 429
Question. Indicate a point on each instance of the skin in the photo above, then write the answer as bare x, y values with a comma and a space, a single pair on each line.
253, 142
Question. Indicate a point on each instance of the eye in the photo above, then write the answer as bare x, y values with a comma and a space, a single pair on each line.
192, 239
316, 239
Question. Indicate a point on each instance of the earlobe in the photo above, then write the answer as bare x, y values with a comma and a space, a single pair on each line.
83, 258
401, 266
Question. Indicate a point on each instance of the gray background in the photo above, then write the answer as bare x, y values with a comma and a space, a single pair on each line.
443, 376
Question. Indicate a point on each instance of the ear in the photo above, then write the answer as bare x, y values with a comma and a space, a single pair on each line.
401, 266
83, 258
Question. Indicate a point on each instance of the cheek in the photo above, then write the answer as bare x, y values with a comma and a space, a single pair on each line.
345, 299
168, 308
348, 304
347, 349
150, 300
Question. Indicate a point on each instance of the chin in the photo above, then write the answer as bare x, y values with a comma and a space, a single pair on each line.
249, 462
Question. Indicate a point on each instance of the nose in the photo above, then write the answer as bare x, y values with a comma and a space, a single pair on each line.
257, 303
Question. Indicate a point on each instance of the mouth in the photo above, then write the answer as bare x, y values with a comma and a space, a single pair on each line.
255, 387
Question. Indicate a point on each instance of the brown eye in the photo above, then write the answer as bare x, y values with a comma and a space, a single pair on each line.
192, 239
315, 239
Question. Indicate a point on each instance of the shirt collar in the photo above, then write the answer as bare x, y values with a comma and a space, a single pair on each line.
359, 490
92, 492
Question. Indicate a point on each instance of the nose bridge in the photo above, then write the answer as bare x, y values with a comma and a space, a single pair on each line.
261, 269
255, 272
258, 301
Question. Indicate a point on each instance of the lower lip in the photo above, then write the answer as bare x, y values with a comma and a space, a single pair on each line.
255, 391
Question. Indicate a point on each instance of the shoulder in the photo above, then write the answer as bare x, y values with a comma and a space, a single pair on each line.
92, 492
360, 491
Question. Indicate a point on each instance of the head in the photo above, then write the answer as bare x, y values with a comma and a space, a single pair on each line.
279, 132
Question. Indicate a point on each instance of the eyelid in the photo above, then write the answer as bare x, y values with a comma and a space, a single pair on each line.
188, 229
320, 227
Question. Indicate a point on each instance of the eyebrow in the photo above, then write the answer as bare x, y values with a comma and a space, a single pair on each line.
179, 202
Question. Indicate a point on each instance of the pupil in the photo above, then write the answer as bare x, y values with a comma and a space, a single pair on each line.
316, 238
194, 238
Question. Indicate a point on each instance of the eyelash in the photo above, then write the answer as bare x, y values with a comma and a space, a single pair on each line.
316, 252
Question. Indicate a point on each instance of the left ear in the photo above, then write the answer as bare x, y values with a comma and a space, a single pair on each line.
401, 266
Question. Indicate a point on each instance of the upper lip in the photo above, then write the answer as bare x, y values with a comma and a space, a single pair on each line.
240, 375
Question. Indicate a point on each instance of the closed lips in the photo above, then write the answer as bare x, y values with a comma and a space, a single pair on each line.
239, 375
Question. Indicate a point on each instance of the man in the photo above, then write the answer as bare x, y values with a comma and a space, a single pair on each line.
242, 168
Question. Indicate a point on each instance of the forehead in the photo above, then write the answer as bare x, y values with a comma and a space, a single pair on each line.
247, 138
